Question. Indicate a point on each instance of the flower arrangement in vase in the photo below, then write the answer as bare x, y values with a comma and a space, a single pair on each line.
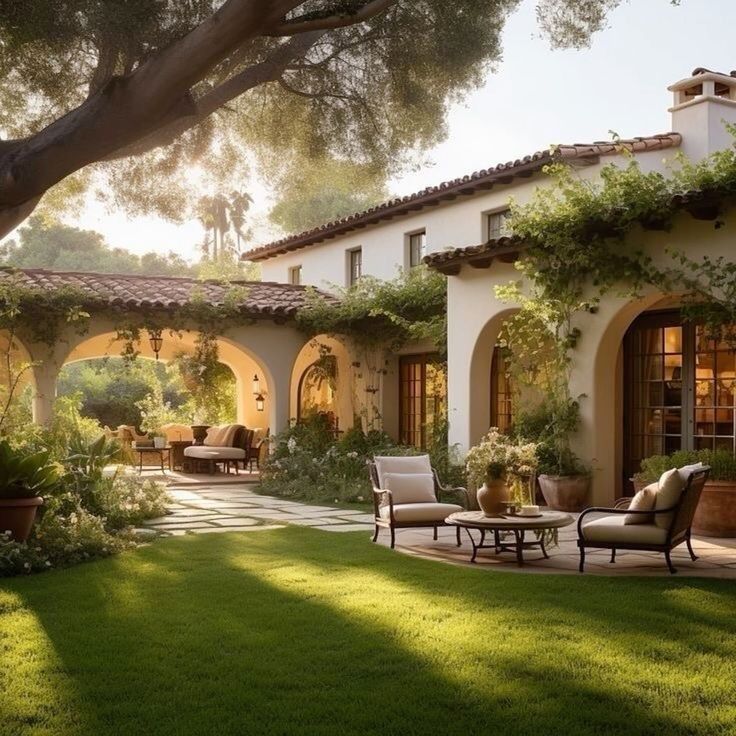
499, 465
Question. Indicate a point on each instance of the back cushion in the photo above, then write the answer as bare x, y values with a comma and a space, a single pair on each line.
397, 465
670, 490
228, 436
686, 471
643, 501
410, 487
213, 436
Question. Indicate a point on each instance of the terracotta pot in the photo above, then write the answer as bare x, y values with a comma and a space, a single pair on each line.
492, 497
565, 492
17, 516
716, 512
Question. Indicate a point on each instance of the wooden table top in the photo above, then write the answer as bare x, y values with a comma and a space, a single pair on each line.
478, 520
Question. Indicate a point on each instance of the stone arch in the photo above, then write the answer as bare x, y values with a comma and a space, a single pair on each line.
598, 377
479, 374
307, 356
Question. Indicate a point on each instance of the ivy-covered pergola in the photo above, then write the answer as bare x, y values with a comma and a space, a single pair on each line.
52, 318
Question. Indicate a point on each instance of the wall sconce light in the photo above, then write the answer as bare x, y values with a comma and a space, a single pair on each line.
256, 386
154, 337
260, 402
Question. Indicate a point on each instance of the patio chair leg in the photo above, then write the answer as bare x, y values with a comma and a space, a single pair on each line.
667, 557
582, 559
375, 533
457, 534
613, 555
434, 535
393, 538
693, 556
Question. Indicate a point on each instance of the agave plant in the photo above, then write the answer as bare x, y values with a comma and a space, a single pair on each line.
23, 475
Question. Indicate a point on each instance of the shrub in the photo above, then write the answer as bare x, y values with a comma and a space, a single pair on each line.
310, 464
722, 464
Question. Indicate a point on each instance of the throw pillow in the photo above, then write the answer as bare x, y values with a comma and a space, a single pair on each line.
410, 487
643, 501
401, 464
670, 490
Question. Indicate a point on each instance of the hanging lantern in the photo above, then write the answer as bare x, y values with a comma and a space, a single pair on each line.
154, 337
260, 402
256, 386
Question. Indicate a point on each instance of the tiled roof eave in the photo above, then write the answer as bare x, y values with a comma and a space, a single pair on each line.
464, 186
261, 300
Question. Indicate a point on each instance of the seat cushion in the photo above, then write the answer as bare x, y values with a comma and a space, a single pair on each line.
670, 489
410, 487
644, 500
200, 452
405, 464
612, 528
429, 512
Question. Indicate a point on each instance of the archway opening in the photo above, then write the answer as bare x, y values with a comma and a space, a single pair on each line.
147, 392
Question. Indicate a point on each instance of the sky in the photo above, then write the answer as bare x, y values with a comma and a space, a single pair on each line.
533, 98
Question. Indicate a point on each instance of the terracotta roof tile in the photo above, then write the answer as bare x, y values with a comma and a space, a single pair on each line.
470, 184
260, 299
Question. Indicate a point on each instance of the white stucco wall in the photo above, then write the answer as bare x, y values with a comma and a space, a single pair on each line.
475, 317
458, 223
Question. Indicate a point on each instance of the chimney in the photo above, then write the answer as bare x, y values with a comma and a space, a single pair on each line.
703, 104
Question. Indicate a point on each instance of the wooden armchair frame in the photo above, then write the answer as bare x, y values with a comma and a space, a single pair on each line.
678, 532
383, 497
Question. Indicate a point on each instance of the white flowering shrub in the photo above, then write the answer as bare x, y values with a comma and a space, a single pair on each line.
309, 463
499, 456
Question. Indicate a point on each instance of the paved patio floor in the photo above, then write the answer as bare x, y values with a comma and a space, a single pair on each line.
216, 507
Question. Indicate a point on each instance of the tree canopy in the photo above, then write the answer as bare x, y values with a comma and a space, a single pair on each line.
147, 90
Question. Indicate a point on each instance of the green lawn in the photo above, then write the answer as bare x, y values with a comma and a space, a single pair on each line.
300, 631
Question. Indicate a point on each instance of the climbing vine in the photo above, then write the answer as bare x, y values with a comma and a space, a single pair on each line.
582, 239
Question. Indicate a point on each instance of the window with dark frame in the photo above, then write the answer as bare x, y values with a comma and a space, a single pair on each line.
502, 409
497, 224
355, 265
422, 397
417, 243
679, 389
295, 275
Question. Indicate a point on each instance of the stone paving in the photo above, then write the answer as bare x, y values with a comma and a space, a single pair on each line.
235, 507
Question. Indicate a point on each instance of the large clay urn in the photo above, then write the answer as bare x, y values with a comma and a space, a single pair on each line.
492, 497
565, 492
716, 512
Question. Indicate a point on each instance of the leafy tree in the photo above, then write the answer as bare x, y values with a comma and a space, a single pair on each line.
147, 89
63, 248
313, 192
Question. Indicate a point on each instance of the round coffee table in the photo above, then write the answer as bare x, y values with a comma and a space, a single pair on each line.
516, 524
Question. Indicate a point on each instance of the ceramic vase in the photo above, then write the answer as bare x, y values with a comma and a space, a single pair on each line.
492, 497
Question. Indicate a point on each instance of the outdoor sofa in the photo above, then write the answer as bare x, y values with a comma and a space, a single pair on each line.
224, 445
657, 519
407, 493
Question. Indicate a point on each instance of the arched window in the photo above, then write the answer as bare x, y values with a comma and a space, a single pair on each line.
502, 410
317, 389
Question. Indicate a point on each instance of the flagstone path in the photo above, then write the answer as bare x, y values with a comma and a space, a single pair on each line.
228, 508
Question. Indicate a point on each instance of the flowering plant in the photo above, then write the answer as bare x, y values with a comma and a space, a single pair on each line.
499, 456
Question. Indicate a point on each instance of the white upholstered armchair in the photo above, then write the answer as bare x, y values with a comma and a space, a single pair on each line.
407, 493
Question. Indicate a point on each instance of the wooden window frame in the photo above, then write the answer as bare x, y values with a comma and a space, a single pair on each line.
295, 271
352, 254
423, 360
410, 240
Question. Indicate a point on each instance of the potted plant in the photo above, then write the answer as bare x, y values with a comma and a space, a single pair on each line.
715, 515
495, 464
155, 412
563, 478
23, 478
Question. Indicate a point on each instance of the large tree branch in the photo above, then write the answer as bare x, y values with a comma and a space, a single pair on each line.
268, 70
327, 21
131, 107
